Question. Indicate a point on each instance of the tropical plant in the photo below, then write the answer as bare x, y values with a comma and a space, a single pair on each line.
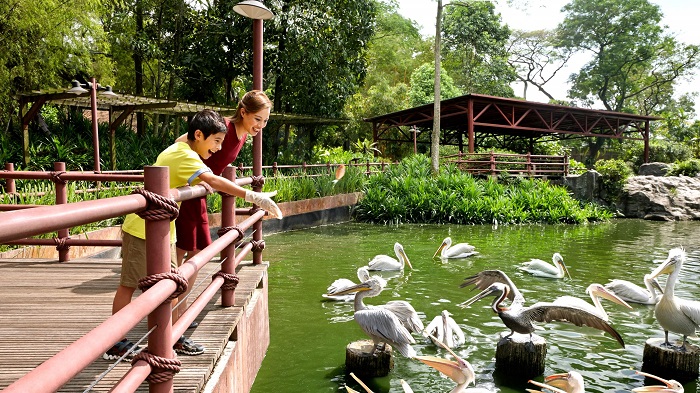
615, 172
686, 168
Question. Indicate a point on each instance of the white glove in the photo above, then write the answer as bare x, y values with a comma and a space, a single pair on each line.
264, 200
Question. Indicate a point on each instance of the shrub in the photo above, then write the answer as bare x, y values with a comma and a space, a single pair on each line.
659, 151
576, 168
686, 168
615, 172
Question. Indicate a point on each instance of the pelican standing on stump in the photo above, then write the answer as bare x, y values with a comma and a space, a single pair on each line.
674, 314
540, 268
633, 293
385, 262
444, 329
342, 283
459, 250
519, 318
571, 382
596, 291
379, 323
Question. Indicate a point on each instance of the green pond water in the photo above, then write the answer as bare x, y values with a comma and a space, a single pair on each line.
309, 334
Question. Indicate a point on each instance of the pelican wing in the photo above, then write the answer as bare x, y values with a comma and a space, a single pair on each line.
484, 279
456, 332
339, 285
690, 309
383, 324
548, 312
460, 250
406, 314
383, 262
538, 266
628, 291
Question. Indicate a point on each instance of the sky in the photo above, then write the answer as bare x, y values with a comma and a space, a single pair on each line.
679, 15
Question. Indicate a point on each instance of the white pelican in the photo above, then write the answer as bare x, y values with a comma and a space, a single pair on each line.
445, 330
671, 385
342, 283
540, 268
382, 325
406, 387
519, 318
459, 250
458, 370
633, 293
406, 314
596, 291
571, 382
674, 314
385, 262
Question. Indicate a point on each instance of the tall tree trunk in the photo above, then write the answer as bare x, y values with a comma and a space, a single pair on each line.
138, 65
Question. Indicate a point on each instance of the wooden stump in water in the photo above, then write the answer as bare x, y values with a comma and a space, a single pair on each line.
358, 359
518, 357
671, 363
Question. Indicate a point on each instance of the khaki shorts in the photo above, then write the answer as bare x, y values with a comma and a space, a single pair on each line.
134, 260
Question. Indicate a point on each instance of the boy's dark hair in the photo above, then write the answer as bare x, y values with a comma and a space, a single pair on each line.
207, 121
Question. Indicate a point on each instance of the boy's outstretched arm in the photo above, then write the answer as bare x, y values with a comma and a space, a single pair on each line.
262, 199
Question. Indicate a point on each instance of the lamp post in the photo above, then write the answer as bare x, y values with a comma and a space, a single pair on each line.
79, 89
257, 11
415, 139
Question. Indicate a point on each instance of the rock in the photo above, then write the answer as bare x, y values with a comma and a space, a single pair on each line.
661, 198
654, 169
586, 186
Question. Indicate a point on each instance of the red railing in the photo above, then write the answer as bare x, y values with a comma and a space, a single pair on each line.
314, 170
61, 368
494, 164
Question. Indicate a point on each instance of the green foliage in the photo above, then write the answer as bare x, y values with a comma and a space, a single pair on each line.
423, 85
615, 172
686, 168
406, 193
659, 151
576, 168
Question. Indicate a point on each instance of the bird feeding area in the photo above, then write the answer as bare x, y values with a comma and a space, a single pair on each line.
309, 333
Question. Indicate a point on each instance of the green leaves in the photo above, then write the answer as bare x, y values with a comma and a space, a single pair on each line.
407, 193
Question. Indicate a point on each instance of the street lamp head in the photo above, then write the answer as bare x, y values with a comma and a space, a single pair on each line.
253, 9
107, 91
77, 89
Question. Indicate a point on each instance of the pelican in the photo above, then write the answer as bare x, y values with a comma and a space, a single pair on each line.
445, 330
458, 370
406, 314
633, 293
674, 314
519, 318
342, 283
406, 387
385, 262
381, 324
358, 380
459, 250
540, 268
571, 382
596, 291
672, 386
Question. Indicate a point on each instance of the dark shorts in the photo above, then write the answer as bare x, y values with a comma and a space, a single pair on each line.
134, 260
192, 225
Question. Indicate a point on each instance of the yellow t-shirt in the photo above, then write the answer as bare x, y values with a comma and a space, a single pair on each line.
185, 167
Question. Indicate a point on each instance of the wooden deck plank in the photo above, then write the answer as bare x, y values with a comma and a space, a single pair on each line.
46, 305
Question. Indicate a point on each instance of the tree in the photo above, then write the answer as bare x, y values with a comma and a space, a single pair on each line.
634, 62
423, 83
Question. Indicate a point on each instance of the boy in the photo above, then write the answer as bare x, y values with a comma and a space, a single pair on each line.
205, 134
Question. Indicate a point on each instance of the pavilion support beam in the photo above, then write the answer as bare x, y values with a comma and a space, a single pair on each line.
26, 118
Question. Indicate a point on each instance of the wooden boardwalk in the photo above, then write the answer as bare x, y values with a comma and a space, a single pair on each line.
46, 305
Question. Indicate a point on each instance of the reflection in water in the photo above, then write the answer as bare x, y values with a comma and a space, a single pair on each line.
309, 335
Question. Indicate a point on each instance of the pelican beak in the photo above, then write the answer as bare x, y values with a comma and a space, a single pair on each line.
406, 387
657, 286
350, 390
666, 267
671, 385
604, 293
545, 386
480, 296
566, 269
450, 368
402, 255
439, 249
363, 286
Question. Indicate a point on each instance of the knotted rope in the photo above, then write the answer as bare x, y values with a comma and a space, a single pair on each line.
56, 177
258, 181
258, 245
224, 230
230, 280
158, 207
162, 369
147, 282
61, 243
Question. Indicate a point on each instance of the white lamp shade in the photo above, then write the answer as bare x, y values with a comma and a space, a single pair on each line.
253, 9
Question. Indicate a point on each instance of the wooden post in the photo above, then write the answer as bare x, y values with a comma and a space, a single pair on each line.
671, 363
358, 359
492, 161
520, 358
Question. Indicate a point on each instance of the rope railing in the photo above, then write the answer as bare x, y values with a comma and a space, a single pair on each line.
155, 366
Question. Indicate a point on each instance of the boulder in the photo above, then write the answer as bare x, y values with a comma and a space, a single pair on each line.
654, 169
587, 186
661, 198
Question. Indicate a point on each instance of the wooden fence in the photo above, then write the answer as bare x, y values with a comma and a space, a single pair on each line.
495, 164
